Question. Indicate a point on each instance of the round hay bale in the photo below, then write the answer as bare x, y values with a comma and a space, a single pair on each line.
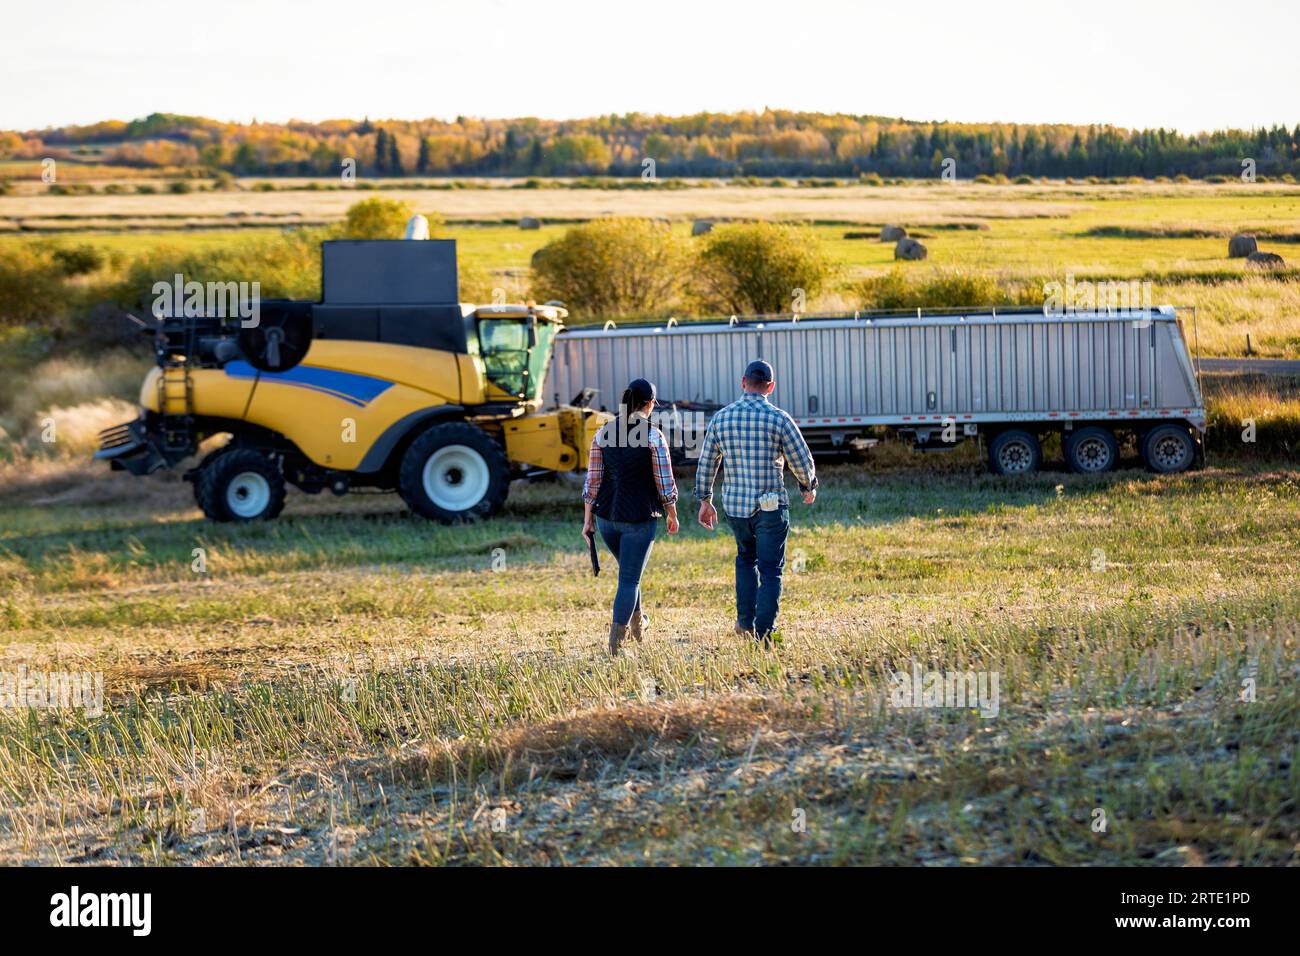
910, 249
1265, 260
1241, 245
528, 222
701, 227
892, 233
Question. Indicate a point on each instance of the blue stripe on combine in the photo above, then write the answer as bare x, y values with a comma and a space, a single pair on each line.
351, 387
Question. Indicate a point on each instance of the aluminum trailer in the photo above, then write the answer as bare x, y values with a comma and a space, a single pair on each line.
1010, 376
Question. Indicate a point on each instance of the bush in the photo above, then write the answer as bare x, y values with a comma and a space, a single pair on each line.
179, 187
378, 218
944, 289
615, 268
32, 286
286, 265
79, 260
761, 268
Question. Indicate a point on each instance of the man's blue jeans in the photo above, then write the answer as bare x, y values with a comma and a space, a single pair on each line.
760, 559
630, 543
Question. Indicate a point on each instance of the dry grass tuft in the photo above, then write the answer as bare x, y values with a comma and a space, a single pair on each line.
588, 741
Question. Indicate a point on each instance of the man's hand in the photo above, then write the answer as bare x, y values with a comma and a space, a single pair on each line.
810, 496
708, 515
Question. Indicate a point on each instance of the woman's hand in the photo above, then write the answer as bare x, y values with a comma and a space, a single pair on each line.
672, 522
588, 522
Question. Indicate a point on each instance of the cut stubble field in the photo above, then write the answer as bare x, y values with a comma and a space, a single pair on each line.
352, 685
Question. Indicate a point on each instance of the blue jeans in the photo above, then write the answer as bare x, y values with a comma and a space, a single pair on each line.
630, 543
760, 559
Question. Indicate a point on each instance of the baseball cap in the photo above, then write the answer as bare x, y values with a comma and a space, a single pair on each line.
758, 371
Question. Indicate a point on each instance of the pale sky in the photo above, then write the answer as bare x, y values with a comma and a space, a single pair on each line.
1186, 64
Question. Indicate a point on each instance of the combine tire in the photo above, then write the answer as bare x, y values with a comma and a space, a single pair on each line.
1168, 449
239, 484
454, 472
1091, 450
1015, 452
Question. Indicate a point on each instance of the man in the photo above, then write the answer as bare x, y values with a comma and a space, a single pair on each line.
755, 439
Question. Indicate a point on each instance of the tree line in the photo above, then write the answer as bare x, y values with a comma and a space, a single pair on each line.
770, 143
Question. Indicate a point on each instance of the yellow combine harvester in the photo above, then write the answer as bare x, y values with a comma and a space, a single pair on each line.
388, 382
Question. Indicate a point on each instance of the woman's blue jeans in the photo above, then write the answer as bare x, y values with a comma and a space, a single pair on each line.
630, 543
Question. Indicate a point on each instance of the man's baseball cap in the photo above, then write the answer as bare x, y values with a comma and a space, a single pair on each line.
758, 371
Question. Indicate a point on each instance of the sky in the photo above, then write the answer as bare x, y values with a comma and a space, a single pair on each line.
1185, 64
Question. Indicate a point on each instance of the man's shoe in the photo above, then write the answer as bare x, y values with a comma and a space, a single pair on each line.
745, 633
637, 626
617, 635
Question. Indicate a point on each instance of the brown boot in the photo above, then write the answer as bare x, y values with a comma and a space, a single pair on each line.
617, 635
636, 627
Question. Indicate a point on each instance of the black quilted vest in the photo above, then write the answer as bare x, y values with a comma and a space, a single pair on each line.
627, 487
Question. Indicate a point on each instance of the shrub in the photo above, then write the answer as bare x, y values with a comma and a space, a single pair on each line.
180, 187
32, 286
945, 289
79, 260
377, 218
761, 267
615, 268
286, 265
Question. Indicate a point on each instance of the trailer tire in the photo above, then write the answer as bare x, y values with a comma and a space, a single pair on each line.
1168, 449
1091, 450
454, 472
1015, 452
240, 485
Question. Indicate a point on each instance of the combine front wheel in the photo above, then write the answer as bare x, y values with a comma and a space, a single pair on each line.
239, 484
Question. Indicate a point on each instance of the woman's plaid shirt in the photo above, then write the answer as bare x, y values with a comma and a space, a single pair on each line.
661, 457
755, 439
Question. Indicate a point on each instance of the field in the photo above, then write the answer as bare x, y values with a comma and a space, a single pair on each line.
349, 685
352, 685
1172, 235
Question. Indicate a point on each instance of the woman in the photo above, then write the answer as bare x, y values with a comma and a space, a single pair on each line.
629, 487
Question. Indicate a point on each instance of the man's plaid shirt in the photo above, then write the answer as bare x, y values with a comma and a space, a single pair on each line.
756, 439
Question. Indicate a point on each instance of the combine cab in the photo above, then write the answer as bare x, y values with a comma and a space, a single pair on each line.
389, 382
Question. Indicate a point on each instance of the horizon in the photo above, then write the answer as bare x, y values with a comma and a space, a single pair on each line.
299, 120
587, 61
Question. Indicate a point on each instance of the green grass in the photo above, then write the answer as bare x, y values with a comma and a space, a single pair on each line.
1030, 235
354, 685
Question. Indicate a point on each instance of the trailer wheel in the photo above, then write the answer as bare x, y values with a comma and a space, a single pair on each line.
1091, 450
1015, 452
1168, 449
239, 484
454, 472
